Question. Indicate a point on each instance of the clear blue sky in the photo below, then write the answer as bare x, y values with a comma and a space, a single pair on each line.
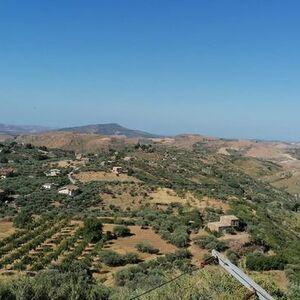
224, 68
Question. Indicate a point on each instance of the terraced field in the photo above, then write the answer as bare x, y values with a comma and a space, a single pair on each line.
55, 242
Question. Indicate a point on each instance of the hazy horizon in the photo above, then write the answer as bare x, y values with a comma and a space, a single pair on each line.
224, 69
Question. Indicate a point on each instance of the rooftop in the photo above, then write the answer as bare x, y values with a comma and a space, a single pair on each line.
70, 187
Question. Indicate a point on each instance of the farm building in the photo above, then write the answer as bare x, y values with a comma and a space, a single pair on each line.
6, 172
78, 156
118, 170
226, 222
70, 190
53, 173
48, 186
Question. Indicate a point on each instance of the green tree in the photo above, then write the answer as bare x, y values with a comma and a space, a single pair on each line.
121, 231
92, 229
23, 220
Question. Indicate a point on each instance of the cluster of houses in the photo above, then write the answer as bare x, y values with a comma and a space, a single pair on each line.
225, 223
70, 189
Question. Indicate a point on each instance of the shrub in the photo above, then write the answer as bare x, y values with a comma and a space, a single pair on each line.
92, 229
23, 220
114, 259
146, 248
232, 256
121, 231
260, 262
210, 242
54, 284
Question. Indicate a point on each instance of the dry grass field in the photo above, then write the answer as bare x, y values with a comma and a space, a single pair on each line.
103, 176
67, 163
164, 196
127, 244
195, 250
290, 184
6, 229
236, 241
207, 202
279, 277
126, 194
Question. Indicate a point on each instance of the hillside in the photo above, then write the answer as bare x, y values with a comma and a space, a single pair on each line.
284, 156
78, 142
110, 129
125, 233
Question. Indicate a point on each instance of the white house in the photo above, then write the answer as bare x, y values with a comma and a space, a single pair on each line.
70, 190
118, 170
52, 173
48, 186
78, 156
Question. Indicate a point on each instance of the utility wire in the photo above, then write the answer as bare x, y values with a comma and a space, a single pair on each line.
163, 284
159, 286
209, 260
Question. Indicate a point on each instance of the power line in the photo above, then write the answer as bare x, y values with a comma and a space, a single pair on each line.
203, 264
161, 285
256, 290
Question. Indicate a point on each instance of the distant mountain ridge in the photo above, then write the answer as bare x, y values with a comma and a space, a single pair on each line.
21, 129
109, 129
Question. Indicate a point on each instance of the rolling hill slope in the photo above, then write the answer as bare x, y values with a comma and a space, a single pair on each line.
109, 129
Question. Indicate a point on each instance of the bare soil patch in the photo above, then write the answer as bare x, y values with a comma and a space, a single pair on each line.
127, 244
236, 241
212, 202
6, 229
165, 196
103, 176
197, 252
67, 163
126, 195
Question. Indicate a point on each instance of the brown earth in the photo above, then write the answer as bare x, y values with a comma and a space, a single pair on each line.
127, 244
236, 241
6, 229
103, 176
126, 195
67, 163
78, 142
166, 196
